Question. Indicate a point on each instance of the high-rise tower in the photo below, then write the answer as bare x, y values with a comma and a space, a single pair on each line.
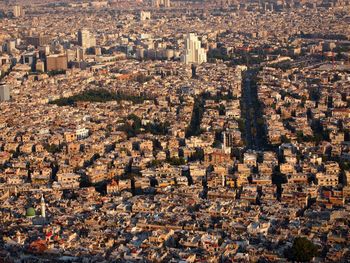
86, 39
18, 11
161, 3
4, 93
194, 53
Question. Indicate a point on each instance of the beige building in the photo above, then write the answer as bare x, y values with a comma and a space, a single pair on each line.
56, 62
18, 11
327, 179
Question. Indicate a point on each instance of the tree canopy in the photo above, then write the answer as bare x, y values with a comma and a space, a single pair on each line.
98, 95
303, 250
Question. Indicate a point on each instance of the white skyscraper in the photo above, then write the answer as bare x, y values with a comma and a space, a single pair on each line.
194, 53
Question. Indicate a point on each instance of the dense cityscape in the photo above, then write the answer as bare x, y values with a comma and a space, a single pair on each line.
174, 131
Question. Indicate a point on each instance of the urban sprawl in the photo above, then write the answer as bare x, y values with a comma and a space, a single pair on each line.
175, 131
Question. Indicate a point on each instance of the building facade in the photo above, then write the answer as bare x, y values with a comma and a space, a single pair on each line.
56, 62
4, 93
86, 39
194, 53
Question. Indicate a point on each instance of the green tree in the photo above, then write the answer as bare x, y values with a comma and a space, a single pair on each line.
198, 109
197, 156
136, 124
51, 148
284, 139
143, 78
99, 95
303, 250
216, 144
300, 136
154, 163
176, 161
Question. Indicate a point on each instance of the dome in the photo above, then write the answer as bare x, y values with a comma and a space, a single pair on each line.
30, 212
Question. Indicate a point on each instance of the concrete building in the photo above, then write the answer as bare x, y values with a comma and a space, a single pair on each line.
40, 66
86, 39
38, 41
166, 3
18, 11
56, 62
28, 58
75, 54
10, 46
228, 139
4, 93
161, 3
144, 15
194, 53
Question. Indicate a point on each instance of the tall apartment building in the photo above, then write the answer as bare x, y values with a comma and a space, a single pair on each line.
166, 3
4, 93
228, 139
194, 53
161, 3
18, 11
38, 41
75, 54
86, 39
10, 46
56, 62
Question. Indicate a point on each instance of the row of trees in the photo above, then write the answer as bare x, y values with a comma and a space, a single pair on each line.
198, 109
99, 95
169, 160
133, 126
219, 96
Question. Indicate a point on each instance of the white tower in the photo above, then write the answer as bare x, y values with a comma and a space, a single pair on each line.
223, 180
43, 209
18, 237
194, 53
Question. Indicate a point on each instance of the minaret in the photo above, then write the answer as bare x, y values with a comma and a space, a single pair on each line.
42, 203
223, 178
18, 237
